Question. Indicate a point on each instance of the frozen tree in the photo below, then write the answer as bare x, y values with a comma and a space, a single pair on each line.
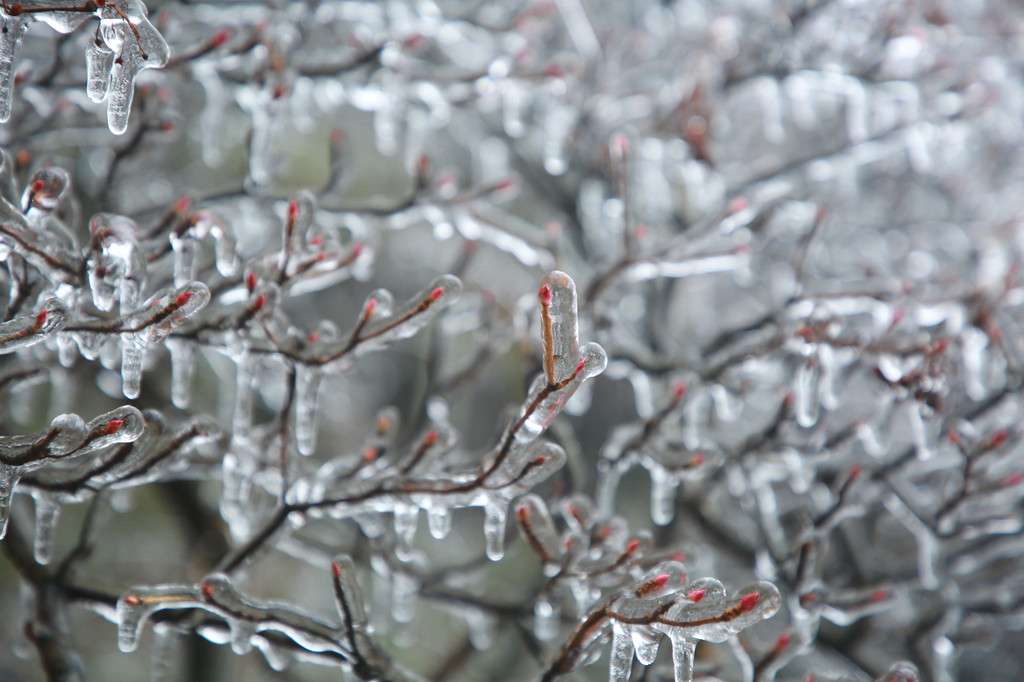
693, 328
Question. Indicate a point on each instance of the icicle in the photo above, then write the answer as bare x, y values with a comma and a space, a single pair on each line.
546, 620
138, 49
807, 404
8, 477
683, 649
307, 391
11, 30
406, 520
663, 495
183, 365
244, 372
98, 61
404, 596
47, 516
439, 520
166, 643
645, 643
482, 625
185, 255
495, 512
915, 414
621, 660
133, 350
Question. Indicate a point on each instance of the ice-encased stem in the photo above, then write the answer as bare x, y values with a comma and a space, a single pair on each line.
307, 393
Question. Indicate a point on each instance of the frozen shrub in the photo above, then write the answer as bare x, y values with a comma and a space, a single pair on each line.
718, 303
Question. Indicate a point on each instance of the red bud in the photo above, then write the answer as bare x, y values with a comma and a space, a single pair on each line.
112, 426
544, 295
749, 602
183, 298
696, 595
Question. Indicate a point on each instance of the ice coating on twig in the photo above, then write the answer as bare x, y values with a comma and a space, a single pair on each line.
137, 606
559, 325
116, 265
128, 33
307, 393
11, 31
31, 329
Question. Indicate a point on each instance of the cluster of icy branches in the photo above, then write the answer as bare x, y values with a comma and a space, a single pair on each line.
776, 428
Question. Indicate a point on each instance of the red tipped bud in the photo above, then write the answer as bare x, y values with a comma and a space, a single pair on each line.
250, 281
182, 298
38, 186
436, 294
954, 438
335, 569
41, 317
738, 204
679, 556
132, 600
696, 595
260, 301
697, 459
879, 595
554, 71
220, 37
854, 474
1013, 479
782, 643
998, 438
523, 514
430, 438
317, 240
940, 346
507, 183
632, 546
313, 337
579, 367
182, 205
207, 590
748, 602
371, 305
357, 249
112, 426
422, 164
320, 257
278, 91
661, 580
679, 391
369, 454
544, 295
293, 210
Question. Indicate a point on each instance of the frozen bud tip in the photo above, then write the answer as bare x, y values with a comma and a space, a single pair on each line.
954, 437
132, 600
207, 591
748, 602
220, 37
38, 186
430, 438
782, 643
854, 473
661, 580
336, 569
113, 425
544, 295
183, 298
436, 294
679, 556
697, 460
998, 438
260, 301
41, 317
507, 183
879, 595
523, 514
696, 595
1013, 479
738, 204
293, 210
632, 546
371, 305
313, 337
250, 281
357, 249
370, 454
679, 391
182, 205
